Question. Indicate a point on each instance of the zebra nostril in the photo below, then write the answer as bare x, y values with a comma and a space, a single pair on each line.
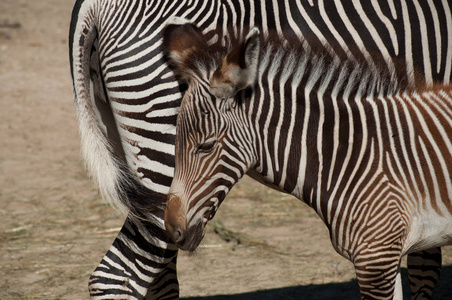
179, 236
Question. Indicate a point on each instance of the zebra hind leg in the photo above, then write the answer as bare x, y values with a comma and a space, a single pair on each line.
140, 264
166, 286
424, 268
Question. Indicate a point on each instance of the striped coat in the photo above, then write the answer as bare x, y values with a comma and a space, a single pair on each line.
369, 155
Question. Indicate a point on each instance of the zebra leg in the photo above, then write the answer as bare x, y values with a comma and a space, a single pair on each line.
140, 264
398, 289
424, 268
166, 285
376, 281
377, 267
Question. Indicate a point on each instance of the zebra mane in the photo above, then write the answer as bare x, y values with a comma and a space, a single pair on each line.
318, 67
310, 63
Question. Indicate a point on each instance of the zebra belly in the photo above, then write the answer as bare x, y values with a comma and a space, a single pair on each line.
428, 230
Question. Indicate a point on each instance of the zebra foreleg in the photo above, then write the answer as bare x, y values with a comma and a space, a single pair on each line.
380, 279
377, 280
398, 289
424, 268
140, 264
377, 265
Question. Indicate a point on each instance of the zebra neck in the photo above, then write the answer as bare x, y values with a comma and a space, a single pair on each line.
299, 146
308, 112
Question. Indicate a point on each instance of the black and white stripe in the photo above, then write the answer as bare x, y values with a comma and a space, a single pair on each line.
127, 99
369, 154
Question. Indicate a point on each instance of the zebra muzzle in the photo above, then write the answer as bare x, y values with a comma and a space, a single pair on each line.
175, 220
185, 237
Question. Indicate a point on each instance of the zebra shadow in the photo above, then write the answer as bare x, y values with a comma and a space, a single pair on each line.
332, 291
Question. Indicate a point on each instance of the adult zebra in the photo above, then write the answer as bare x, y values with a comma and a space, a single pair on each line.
370, 156
127, 100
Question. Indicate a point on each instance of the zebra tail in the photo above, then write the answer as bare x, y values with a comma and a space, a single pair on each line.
118, 185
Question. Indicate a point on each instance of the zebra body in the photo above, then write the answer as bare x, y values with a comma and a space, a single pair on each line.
127, 99
369, 155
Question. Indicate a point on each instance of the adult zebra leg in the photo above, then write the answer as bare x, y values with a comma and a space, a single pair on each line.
140, 264
166, 285
424, 268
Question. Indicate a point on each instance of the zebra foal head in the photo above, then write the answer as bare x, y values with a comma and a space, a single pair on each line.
213, 147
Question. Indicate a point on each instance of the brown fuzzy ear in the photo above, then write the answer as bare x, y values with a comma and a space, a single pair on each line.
180, 40
238, 70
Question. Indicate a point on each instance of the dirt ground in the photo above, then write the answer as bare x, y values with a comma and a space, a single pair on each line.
55, 229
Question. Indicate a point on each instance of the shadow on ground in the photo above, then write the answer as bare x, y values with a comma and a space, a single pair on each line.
332, 291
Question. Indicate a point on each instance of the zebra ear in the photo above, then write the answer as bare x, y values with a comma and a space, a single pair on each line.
181, 39
238, 70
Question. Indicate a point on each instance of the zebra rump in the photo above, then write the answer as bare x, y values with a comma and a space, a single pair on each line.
100, 142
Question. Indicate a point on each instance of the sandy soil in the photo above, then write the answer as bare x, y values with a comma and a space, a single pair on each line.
55, 228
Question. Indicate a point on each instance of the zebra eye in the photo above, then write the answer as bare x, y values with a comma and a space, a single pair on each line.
206, 147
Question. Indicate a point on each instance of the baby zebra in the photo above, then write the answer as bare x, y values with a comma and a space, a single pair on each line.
373, 159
